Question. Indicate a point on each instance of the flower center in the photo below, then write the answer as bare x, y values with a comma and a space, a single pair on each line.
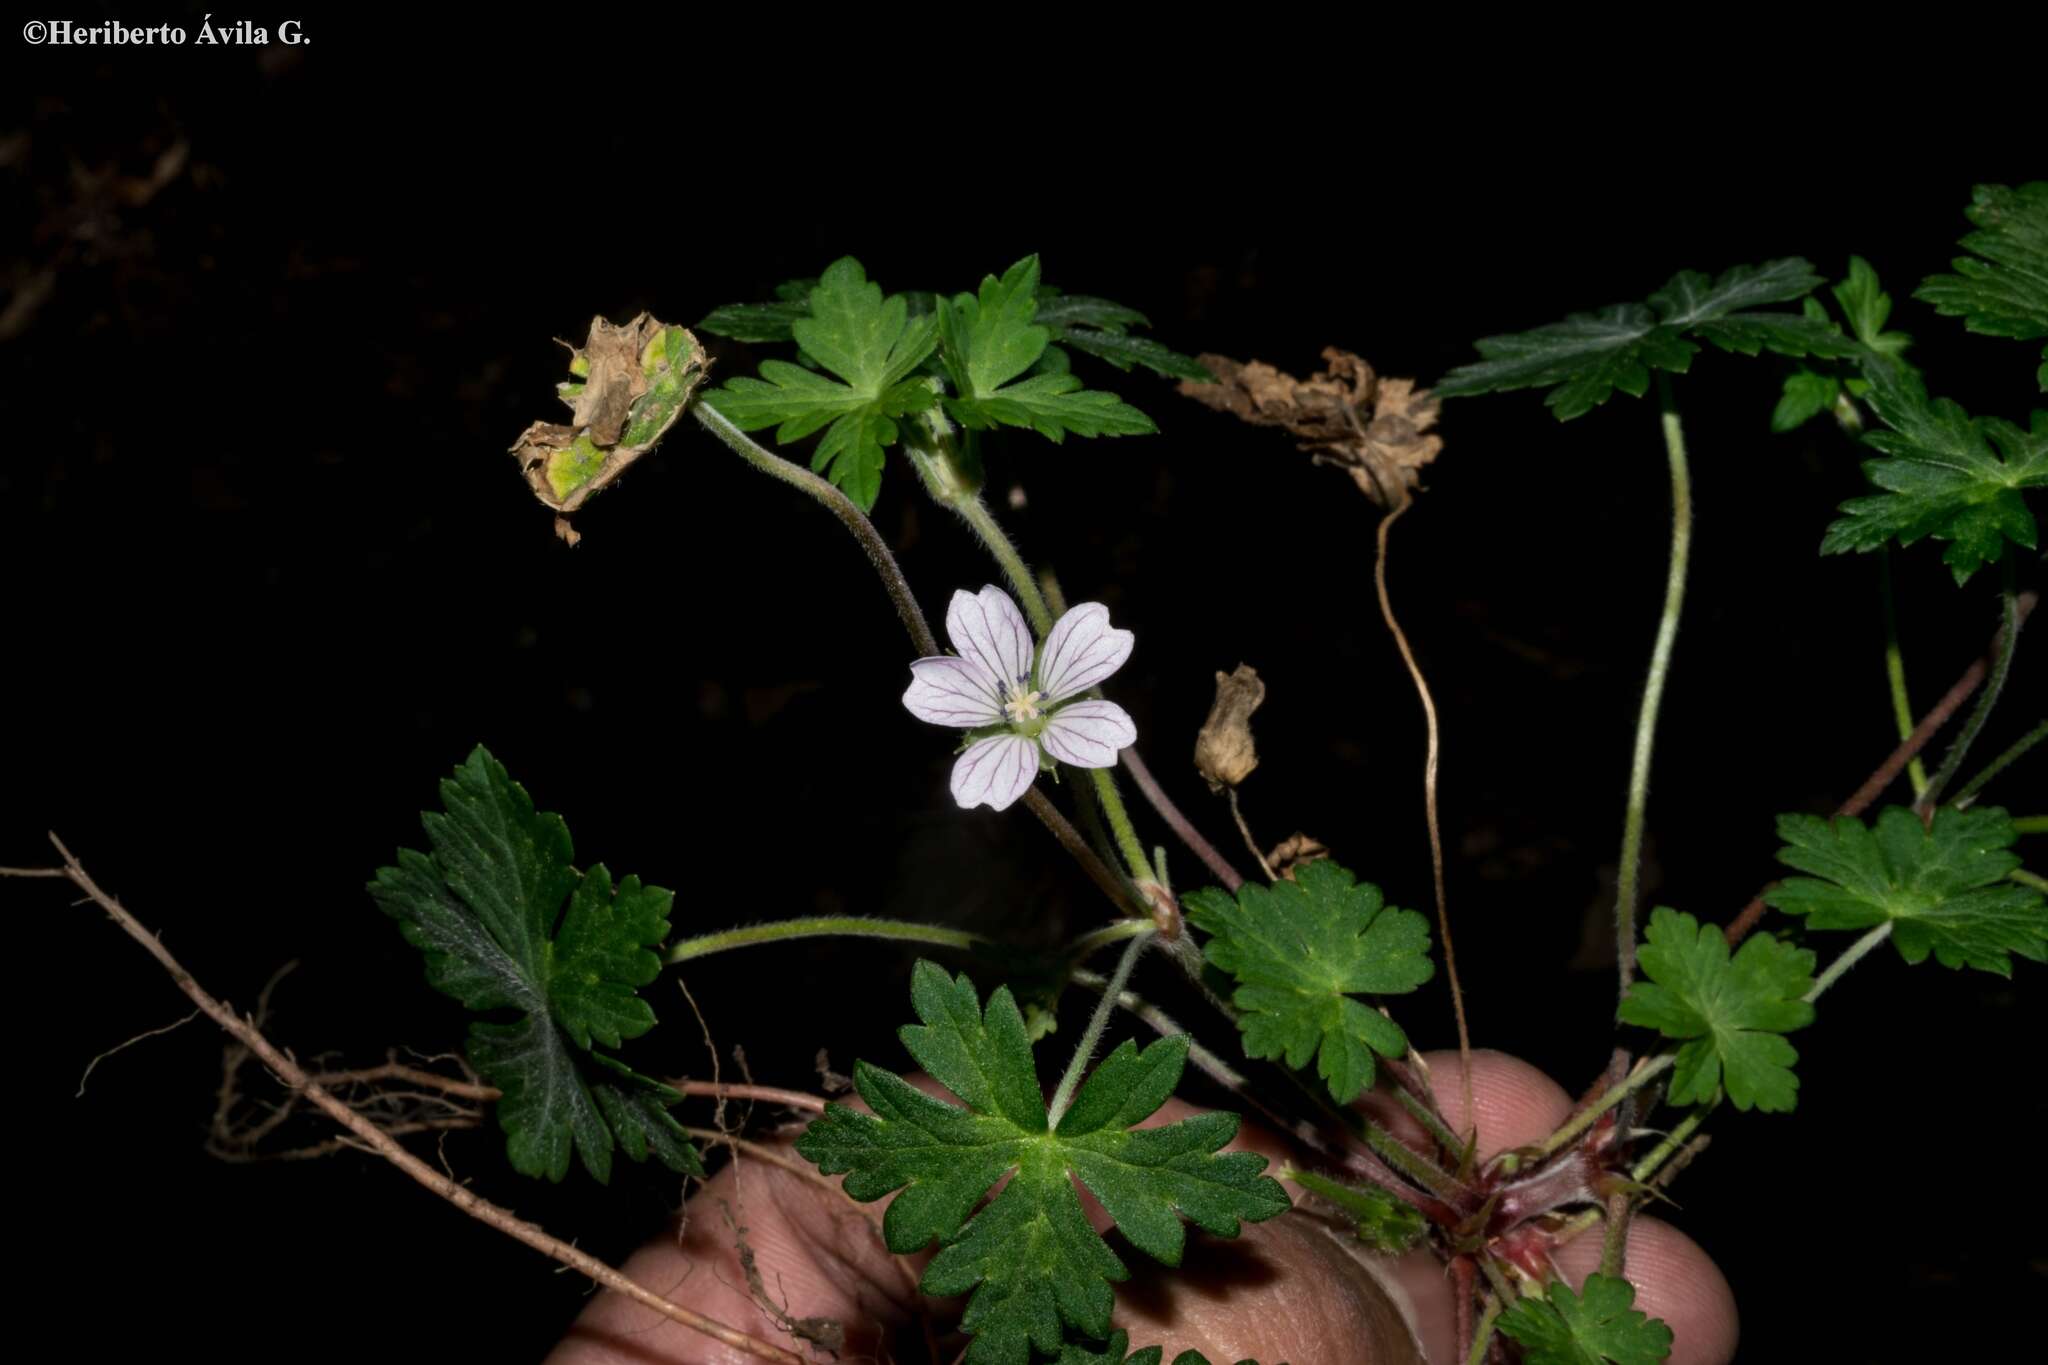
1021, 703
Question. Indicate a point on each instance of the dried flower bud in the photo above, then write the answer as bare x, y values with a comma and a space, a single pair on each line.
1224, 752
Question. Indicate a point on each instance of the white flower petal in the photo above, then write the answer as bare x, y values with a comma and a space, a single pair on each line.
1081, 651
955, 692
995, 772
988, 629
1087, 734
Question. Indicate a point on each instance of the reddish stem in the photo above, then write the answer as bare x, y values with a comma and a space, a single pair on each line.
1888, 771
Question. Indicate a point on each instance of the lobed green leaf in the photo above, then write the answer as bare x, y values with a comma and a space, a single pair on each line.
1598, 1326
2001, 288
1300, 951
1943, 886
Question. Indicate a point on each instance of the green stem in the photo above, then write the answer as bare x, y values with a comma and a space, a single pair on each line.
1587, 1117
2001, 665
1084, 947
1851, 955
2031, 824
1673, 1140
1614, 1247
2000, 764
1091, 1037
841, 926
2026, 878
839, 505
1653, 690
1895, 668
1482, 1335
1127, 841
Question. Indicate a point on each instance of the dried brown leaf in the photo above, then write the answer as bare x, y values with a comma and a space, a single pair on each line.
1376, 430
1224, 752
1295, 851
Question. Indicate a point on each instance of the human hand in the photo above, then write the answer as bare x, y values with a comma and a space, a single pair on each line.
1287, 1290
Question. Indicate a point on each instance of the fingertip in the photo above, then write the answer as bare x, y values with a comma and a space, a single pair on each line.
1515, 1103
1675, 1280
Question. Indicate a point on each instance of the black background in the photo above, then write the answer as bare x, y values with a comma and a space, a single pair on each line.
272, 575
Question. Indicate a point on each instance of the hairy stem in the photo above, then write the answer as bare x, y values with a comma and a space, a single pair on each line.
2003, 649
1482, 1335
1895, 667
1851, 955
2000, 764
1127, 841
1148, 786
1429, 771
840, 506
1888, 771
1645, 1072
1091, 1037
1084, 947
1628, 885
823, 926
449, 1189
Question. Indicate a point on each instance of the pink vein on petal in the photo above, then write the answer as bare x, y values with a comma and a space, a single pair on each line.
994, 772
1080, 651
1088, 734
955, 692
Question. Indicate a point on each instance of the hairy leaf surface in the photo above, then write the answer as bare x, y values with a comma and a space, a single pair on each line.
1733, 1013
1597, 1326
1031, 1261
1944, 888
1301, 951
505, 921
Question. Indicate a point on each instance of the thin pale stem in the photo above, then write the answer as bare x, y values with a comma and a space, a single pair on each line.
1851, 955
1644, 1073
766, 1094
2031, 824
2001, 665
2026, 878
384, 1145
1086, 946
1628, 885
1429, 773
825, 926
1148, 786
1251, 844
2000, 764
1098, 1020
1895, 667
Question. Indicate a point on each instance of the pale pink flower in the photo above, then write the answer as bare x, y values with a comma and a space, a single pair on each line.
1018, 706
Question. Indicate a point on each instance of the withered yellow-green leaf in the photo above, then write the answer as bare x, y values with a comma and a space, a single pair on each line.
630, 383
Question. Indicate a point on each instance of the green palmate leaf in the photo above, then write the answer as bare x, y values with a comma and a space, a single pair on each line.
763, 321
1599, 1326
1806, 396
1733, 1012
1300, 951
1031, 1260
1943, 887
1867, 307
1585, 358
989, 340
1102, 329
2001, 289
506, 922
874, 347
1113, 1354
1950, 476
